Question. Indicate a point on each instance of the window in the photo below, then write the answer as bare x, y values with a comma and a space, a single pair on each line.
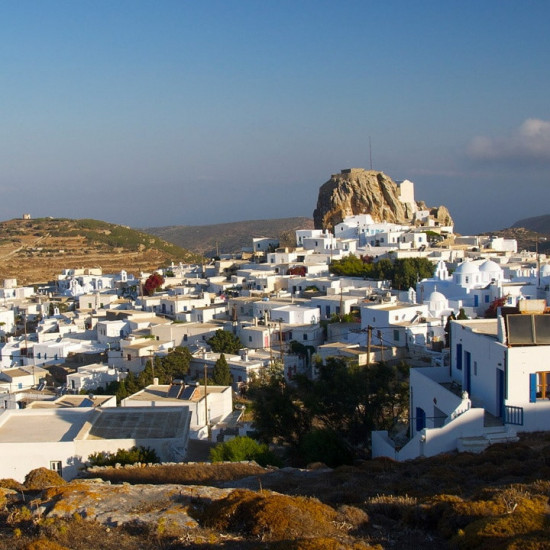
486, 298
396, 335
305, 336
475, 368
539, 386
55, 465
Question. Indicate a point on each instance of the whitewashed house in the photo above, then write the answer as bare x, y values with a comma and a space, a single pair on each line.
91, 377
496, 386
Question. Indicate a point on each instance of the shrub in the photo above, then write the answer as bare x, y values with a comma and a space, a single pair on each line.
8, 483
124, 456
270, 516
243, 448
526, 526
40, 478
391, 506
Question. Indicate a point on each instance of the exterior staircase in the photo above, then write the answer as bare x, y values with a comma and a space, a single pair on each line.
494, 432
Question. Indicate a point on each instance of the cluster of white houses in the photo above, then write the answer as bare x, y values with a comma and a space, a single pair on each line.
479, 381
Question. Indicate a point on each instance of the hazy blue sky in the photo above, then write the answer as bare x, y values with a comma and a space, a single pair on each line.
171, 112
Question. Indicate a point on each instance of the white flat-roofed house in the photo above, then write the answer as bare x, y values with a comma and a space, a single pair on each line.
334, 304
62, 439
296, 315
91, 377
241, 366
56, 352
7, 322
264, 244
208, 313
96, 300
111, 332
498, 384
177, 306
21, 378
185, 334
388, 320
206, 408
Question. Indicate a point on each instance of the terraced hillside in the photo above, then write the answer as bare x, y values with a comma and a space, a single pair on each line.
35, 251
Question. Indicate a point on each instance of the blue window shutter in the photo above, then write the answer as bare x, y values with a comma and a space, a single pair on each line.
533, 388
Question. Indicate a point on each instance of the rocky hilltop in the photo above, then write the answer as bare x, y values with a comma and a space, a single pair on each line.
358, 191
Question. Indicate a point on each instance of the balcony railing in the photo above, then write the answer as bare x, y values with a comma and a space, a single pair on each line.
513, 415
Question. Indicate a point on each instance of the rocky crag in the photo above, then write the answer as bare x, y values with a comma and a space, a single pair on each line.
358, 191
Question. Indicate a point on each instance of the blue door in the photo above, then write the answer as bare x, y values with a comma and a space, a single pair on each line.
468, 371
420, 419
500, 392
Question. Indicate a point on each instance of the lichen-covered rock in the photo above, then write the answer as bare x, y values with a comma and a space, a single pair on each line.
358, 191
160, 506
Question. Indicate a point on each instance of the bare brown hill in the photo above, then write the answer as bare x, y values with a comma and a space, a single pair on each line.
230, 238
35, 251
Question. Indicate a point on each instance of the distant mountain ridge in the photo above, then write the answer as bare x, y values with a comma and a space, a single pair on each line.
230, 238
530, 233
540, 224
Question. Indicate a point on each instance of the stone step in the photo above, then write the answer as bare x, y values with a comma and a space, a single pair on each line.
474, 444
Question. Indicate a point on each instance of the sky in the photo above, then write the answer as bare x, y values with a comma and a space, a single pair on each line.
176, 112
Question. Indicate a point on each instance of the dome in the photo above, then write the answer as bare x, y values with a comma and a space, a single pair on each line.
436, 297
489, 266
467, 268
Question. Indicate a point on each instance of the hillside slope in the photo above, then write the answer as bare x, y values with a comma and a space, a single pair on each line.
540, 224
229, 238
35, 251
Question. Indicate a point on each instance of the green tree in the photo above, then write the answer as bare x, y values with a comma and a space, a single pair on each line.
224, 341
124, 456
175, 364
462, 315
277, 411
344, 399
244, 448
221, 373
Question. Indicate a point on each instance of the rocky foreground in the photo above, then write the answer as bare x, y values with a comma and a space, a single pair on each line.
497, 499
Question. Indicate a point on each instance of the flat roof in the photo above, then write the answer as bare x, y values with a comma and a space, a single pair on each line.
139, 423
70, 401
160, 393
30, 425
482, 326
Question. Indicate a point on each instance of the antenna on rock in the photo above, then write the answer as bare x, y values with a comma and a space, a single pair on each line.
370, 153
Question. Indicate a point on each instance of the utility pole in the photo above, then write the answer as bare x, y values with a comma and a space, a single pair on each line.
281, 340
369, 342
206, 400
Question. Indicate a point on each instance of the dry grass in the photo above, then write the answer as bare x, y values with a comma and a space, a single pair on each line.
181, 474
271, 516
